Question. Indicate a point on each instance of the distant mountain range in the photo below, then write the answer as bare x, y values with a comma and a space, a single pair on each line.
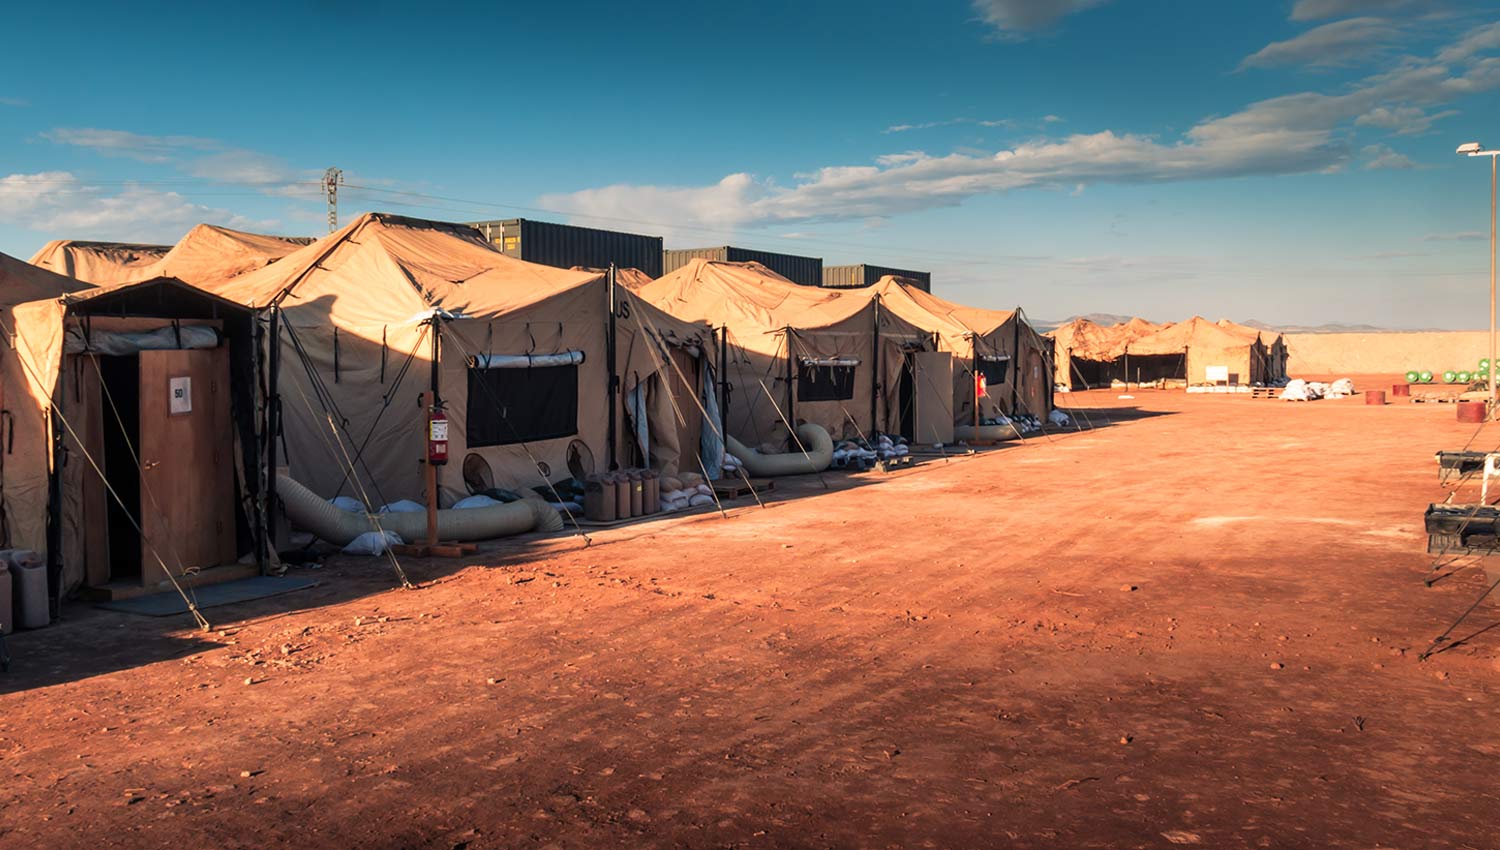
1107, 319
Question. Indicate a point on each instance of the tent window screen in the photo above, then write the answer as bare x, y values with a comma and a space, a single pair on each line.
994, 370
509, 406
825, 383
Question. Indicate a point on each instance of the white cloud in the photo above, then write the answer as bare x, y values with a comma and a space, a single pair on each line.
1404, 120
56, 201
1460, 236
1305, 132
17, 102
1013, 19
1327, 45
1477, 41
1314, 10
209, 159
127, 144
1382, 157
1051, 119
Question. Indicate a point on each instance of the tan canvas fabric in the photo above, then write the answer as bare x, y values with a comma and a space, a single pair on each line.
1082, 339
969, 333
355, 306
97, 262
1204, 344
31, 318
773, 324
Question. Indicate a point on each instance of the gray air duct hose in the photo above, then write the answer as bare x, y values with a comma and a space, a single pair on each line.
814, 438
985, 432
339, 526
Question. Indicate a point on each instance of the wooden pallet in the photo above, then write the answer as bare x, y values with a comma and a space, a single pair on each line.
1265, 392
735, 488
1435, 399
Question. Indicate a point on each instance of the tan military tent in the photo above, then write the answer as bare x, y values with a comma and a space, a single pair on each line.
206, 256
1086, 354
997, 344
523, 363
794, 353
99, 263
1270, 347
153, 393
1198, 350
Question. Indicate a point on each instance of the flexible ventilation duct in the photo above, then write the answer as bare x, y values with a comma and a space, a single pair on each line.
339, 526
984, 432
818, 456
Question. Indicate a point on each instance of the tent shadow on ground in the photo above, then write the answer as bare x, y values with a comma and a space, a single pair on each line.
91, 642
1087, 418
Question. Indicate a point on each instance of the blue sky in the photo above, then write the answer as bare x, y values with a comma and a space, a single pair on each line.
1286, 161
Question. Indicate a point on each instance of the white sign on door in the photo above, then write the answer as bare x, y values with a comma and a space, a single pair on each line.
180, 400
1215, 374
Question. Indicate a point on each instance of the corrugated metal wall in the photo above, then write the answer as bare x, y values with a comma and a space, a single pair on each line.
865, 275
807, 271
566, 245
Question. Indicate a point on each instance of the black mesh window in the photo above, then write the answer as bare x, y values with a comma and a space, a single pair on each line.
825, 383
508, 406
994, 370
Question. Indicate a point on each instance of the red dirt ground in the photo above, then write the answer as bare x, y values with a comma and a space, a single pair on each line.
1193, 628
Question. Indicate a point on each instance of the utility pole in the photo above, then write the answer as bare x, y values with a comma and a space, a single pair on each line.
331, 180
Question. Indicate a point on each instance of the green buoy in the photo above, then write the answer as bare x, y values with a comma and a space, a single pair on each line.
1413, 376
1426, 377
1450, 376
1465, 377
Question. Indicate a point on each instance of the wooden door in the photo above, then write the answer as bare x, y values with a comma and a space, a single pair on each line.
187, 461
933, 374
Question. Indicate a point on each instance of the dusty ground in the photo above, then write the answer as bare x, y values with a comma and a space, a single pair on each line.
1198, 627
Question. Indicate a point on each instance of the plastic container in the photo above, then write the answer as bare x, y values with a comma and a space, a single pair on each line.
1450, 377
1375, 397
1414, 377
637, 493
651, 501
1471, 411
28, 578
7, 618
598, 499
1401, 390
622, 494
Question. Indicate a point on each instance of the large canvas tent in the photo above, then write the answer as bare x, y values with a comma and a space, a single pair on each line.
795, 353
1086, 354
99, 263
1271, 348
996, 344
1196, 349
134, 427
523, 359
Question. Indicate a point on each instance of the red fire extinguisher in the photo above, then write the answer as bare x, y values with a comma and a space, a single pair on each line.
981, 386
437, 436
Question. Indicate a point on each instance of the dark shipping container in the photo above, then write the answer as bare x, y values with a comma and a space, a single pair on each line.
567, 245
807, 271
866, 275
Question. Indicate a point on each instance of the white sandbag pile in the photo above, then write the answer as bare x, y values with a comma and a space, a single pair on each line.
732, 465
1300, 390
1342, 388
1058, 418
683, 491
373, 543
859, 455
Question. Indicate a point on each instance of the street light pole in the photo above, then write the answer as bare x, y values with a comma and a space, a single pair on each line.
1476, 149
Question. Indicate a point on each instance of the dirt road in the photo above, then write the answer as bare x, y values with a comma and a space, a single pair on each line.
1195, 625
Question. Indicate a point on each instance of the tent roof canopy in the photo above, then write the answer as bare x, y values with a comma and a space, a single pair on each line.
750, 297
21, 282
1196, 332
391, 267
97, 262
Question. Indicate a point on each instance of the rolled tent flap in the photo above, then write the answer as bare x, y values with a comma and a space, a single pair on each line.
830, 361
168, 338
527, 361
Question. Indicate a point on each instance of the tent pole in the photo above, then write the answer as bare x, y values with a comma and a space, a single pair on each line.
723, 380
272, 427
791, 395
875, 375
974, 377
613, 391
1015, 366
